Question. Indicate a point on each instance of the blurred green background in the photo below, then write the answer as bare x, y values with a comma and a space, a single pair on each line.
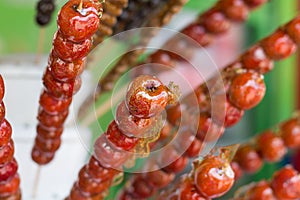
19, 34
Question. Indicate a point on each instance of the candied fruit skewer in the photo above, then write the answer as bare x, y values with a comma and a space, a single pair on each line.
196, 30
9, 177
161, 17
210, 177
45, 9
270, 145
164, 167
225, 11
137, 124
249, 67
233, 113
111, 10
77, 21
285, 184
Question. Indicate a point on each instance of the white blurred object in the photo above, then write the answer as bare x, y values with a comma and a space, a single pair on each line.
23, 84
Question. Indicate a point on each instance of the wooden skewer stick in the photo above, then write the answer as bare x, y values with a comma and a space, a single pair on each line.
40, 45
36, 182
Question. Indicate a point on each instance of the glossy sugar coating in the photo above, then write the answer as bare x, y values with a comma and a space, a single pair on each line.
290, 133
77, 22
270, 146
286, 183
261, 191
146, 97
248, 158
247, 90
9, 178
214, 177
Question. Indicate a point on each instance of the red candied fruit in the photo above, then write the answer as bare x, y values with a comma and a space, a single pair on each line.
131, 125
235, 9
293, 29
60, 90
238, 172
159, 178
119, 139
50, 120
5, 132
208, 130
49, 132
78, 24
40, 157
108, 154
146, 97
255, 3
198, 33
174, 114
256, 59
2, 88
261, 191
90, 185
65, 71
271, 146
214, 177
96, 170
177, 166
53, 105
247, 90
77, 194
10, 186
214, 21
189, 192
286, 183
7, 152
47, 145
2, 111
142, 188
161, 57
69, 51
248, 159
233, 115
194, 149
279, 45
290, 133
8, 170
